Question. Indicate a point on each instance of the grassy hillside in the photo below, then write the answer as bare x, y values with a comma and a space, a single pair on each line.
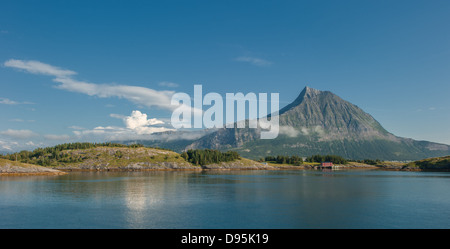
437, 163
8, 167
114, 155
110, 156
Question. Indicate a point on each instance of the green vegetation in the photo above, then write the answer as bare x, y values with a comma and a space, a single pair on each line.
293, 160
116, 155
208, 156
6, 162
370, 161
437, 163
8, 167
352, 149
59, 154
327, 158
297, 161
317, 159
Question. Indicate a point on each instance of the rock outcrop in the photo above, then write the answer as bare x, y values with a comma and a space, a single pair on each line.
8, 167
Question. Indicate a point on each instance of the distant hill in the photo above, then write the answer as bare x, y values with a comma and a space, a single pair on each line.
437, 163
173, 140
320, 122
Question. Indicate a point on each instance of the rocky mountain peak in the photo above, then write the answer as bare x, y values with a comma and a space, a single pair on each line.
336, 118
311, 92
307, 93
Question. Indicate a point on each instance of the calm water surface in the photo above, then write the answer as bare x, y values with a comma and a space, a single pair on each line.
227, 199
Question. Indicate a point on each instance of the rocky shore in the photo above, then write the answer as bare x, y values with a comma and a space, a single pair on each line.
139, 166
242, 164
151, 159
11, 168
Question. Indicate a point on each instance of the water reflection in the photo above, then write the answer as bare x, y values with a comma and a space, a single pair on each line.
227, 199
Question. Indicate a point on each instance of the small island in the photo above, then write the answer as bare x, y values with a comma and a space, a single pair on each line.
68, 157
118, 157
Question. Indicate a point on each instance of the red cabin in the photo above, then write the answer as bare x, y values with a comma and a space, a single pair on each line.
326, 164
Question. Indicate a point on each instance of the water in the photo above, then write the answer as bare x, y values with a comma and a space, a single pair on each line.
227, 199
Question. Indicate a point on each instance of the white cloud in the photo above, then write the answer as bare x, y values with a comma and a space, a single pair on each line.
37, 67
136, 94
5, 146
75, 127
141, 96
139, 123
21, 134
168, 84
113, 115
137, 126
181, 135
16, 120
289, 131
254, 61
138, 119
30, 143
14, 146
57, 137
319, 130
20, 120
7, 101
305, 130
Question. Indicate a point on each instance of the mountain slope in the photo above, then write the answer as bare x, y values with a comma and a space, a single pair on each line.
320, 122
119, 157
327, 113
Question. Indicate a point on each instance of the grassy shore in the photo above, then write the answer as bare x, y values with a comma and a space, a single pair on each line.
12, 168
116, 158
432, 164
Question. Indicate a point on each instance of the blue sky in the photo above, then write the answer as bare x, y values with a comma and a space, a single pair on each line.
76, 70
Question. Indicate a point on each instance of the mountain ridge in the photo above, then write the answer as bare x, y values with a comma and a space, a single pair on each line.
320, 122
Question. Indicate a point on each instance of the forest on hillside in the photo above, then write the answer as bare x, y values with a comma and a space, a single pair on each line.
51, 156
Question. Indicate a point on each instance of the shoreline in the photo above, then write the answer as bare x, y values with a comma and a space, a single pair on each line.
34, 170
13, 168
68, 171
34, 174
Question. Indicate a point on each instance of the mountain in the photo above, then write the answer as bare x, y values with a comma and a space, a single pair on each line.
320, 122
